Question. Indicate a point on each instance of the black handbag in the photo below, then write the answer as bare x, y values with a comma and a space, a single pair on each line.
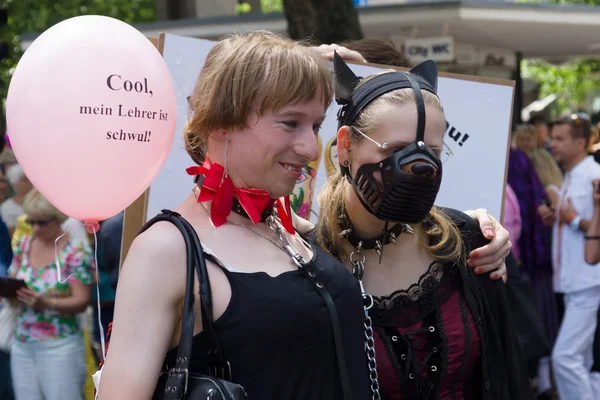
525, 312
175, 382
529, 325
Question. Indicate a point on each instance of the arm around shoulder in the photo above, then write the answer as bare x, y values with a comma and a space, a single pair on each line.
149, 296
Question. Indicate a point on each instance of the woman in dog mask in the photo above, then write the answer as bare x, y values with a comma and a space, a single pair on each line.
438, 331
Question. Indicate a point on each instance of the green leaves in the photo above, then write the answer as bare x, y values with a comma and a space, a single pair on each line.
243, 8
271, 6
30, 16
573, 83
27, 16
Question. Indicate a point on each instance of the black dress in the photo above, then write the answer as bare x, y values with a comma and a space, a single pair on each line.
276, 332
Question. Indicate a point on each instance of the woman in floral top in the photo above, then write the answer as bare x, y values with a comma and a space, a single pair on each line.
48, 354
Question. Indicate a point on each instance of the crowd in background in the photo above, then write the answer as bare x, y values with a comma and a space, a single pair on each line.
54, 345
548, 208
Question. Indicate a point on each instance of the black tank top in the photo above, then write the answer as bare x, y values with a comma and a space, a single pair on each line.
276, 332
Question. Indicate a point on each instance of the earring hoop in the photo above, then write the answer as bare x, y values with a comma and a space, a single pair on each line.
346, 163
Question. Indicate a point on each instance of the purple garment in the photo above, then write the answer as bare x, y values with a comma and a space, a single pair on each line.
535, 243
541, 280
512, 219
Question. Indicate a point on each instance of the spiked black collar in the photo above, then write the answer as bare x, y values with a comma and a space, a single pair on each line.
388, 235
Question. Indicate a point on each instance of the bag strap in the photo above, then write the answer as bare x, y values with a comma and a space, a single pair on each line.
217, 365
312, 275
176, 385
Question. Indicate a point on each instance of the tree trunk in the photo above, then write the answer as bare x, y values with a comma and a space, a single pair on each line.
176, 9
254, 6
322, 21
301, 19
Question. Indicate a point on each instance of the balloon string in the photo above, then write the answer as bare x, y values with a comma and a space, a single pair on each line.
102, 340
58, 271
57, 260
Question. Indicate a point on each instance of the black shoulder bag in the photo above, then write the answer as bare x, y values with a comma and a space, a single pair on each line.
528, 323
177, 383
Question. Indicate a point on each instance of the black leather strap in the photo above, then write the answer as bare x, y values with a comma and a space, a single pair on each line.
237, 208
312, 275
387, 236
420, 105
378, 86
218, 366
176, 384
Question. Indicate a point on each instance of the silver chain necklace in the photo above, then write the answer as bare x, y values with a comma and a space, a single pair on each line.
276, 228
357, 259
278, 245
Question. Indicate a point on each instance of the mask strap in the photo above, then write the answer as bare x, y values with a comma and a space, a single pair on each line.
420, 108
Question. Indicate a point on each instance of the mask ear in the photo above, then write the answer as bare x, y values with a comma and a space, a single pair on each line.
345, 80
428, 71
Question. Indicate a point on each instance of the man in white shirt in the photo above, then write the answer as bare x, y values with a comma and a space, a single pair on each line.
578, 280
592, 239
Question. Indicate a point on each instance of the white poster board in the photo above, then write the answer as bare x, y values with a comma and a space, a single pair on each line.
478, 111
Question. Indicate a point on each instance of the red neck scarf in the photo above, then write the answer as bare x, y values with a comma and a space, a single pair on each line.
219, 188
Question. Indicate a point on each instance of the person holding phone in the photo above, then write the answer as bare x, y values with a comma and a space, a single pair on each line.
592, 238
47, 354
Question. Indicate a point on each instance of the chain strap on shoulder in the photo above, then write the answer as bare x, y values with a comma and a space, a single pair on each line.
357, 259
314, 277
276, 227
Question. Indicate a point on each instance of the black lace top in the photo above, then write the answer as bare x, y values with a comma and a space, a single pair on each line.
427, 343
500, 372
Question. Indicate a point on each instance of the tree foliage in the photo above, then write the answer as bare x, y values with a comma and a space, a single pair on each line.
30, 16
575, 83
266, 6
271, 6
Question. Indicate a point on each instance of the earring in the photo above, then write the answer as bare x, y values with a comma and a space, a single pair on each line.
346, 163
225, 174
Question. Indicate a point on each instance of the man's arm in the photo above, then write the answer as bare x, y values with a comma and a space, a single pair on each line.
592, 242
569, 216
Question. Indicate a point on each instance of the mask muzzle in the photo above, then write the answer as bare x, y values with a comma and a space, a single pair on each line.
402, 187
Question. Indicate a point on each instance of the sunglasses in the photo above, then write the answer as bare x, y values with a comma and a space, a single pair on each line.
444, 152
39, 222
580, 116
520, 127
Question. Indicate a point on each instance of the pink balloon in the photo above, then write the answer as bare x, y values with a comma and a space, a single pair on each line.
91, 112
